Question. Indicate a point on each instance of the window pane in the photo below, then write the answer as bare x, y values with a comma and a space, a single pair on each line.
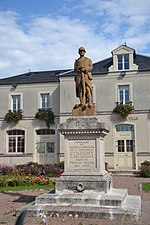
119, 58
45, 100
120, 145
12, 144
126, 66
20, 144
41, 147
120, 63
124, 94
16, 103
121, 96
16, 132
126, 61
125, 127
50, 147
119, 66
130, 146
45, 131
127, 95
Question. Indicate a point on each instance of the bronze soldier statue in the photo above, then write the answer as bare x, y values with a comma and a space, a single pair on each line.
83, 79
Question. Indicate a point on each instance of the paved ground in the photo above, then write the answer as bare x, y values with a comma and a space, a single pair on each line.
9, 201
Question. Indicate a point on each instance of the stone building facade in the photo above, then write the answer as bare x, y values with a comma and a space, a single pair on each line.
121, 92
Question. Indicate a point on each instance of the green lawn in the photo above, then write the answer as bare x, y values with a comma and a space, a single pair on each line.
28, 187
146, 186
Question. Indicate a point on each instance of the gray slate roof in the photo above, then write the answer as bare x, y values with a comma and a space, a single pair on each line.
100, 67
33, 77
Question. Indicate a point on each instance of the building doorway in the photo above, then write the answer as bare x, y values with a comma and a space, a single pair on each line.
125, 147
45, 146
45, 152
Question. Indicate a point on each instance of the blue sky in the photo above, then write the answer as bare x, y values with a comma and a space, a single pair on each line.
43, 35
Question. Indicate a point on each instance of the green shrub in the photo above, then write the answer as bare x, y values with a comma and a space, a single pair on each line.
146, 186
145, 169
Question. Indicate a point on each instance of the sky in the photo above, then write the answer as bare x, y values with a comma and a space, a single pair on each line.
43, 35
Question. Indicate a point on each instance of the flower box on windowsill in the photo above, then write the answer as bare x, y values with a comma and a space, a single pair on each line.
124, 109
47, 115
13, 116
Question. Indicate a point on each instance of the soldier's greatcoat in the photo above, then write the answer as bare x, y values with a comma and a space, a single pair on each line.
86, 63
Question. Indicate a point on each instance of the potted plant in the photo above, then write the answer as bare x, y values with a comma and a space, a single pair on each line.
13, 116
47, 115
124, 109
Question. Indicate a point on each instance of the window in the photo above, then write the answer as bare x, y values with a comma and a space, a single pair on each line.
123, 94
124, 128
50, 147
121, 146
16, 141
45, 131
45, 147
130, 145
123, 62
16, 103
125, 145
45, 101
40, 147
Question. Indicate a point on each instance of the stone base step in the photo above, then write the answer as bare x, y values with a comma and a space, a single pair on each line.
115, 197
133, 172
130, 210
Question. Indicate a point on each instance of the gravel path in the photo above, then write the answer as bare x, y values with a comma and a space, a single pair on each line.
9, 201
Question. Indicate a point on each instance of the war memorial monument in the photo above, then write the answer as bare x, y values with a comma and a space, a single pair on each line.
86, 188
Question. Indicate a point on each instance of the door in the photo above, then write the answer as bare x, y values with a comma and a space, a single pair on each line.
45, 152
125, 154
125, 146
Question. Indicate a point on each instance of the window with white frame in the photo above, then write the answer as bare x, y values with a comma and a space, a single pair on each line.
16, 103
123, 62
16, 141
45, 101
123, 94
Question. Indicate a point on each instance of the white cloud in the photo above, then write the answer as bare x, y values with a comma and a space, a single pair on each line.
51, 42
48, 43
125, 18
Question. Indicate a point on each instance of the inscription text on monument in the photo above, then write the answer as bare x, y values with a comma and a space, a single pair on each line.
82, 154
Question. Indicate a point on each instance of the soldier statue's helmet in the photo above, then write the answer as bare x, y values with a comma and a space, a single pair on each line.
81, 49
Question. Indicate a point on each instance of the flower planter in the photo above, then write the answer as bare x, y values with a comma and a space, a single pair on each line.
13, 116
124, 110
47, 115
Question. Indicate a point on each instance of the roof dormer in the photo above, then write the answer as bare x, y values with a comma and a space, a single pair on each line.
123, 59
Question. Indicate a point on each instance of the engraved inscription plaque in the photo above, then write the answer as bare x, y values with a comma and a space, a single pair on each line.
82, 154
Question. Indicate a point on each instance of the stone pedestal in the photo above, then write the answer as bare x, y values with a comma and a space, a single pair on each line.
85, 188
84, 156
